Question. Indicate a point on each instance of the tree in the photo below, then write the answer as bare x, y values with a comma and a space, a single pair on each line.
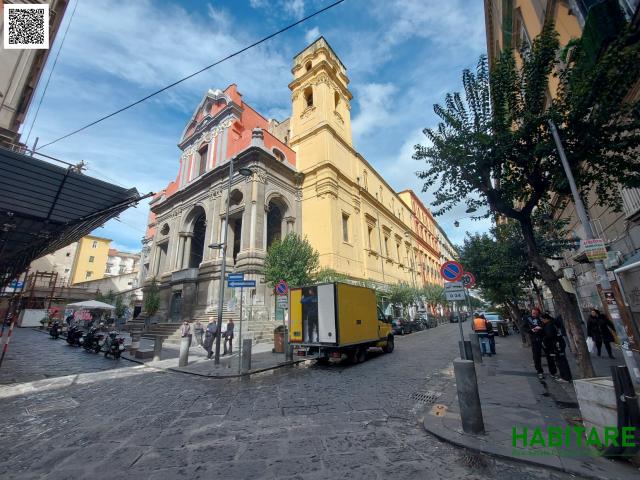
401, 294
152, 298
292, 259
494, 148
326, 274
433, 296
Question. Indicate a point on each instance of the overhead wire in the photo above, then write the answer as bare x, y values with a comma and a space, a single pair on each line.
234, 54
55, 61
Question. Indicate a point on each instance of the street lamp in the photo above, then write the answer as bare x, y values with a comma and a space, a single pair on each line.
471, 209
245, 172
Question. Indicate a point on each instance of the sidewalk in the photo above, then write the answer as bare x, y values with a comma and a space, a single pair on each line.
512, 396
262, 359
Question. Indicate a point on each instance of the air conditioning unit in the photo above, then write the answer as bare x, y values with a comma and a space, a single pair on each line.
614, 259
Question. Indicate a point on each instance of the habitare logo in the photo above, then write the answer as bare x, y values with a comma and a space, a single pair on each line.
571, 440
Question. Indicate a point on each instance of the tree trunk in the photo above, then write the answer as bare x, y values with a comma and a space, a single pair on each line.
561, 300
517, 318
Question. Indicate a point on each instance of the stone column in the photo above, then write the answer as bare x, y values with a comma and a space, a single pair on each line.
290, 221
180, 255
214, 231
187, 250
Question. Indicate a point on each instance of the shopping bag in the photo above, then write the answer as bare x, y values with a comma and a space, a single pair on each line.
590, 344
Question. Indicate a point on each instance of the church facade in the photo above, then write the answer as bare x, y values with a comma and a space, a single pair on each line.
306, 177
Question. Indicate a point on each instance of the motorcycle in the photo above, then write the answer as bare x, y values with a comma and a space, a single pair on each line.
54, 331
92, 340
74, 334
114, 345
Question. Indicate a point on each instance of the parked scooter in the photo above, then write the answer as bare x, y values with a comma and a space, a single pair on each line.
92, 340
114, 345
74, 334
54, 331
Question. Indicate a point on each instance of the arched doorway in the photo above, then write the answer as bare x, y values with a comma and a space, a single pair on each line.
274, 222
197, 241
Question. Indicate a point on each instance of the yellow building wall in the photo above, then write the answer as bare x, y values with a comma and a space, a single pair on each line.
338, 181
91, 256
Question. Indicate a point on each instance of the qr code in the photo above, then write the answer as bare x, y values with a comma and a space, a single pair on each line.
26, 26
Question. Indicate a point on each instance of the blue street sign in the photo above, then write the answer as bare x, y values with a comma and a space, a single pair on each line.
16, 284
243, 283
451, 271
282, 288
235, 277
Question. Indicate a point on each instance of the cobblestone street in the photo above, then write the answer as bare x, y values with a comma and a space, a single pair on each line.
101, 419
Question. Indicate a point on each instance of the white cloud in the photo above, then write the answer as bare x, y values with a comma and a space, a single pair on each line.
258, 3
294, 7
311, 35
375, 100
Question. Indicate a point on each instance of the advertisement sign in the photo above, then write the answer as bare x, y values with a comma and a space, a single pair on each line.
594, 249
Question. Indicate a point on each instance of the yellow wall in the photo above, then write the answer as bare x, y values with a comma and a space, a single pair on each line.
85, 251
338, 181
532, 14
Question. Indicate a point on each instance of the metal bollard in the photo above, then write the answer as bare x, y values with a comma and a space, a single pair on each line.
135, 343
185, 343
475, 347
468, 396
157, 348
288, 352
246, 354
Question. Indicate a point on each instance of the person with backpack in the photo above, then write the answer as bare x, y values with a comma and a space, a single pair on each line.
479, 326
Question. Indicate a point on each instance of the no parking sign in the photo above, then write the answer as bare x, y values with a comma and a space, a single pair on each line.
451, 271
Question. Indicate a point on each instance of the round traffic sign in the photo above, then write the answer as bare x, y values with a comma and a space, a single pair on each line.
282, 288
451, 271
468, 280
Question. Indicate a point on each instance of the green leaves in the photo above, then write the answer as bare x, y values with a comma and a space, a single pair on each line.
152, 298
292, 259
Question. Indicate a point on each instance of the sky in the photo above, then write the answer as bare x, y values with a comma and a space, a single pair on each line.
402, 57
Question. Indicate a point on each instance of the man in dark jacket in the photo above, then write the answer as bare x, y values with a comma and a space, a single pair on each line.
535, 330
601, 329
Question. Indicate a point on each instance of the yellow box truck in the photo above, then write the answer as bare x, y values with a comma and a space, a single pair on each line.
337, 320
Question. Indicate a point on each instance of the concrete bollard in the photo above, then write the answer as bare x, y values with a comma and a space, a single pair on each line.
288, 351
157, 348
185, 343
135, 343
475, 347
468, 396
465, 350
246, 354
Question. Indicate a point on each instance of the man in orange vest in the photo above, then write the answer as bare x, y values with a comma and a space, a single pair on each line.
479, 326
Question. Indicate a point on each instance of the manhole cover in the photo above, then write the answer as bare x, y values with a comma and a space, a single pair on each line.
427, 397
48, 406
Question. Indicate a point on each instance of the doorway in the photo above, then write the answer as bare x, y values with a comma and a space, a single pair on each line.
176, 307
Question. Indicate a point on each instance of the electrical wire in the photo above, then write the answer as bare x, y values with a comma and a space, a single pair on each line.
55, 61
236, 53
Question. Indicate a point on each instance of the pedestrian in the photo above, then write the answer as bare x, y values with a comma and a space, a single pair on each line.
536, 330
198, 330
479, 326
228, 337
554, 346
491, 335
600, 329
185, 331
209, 336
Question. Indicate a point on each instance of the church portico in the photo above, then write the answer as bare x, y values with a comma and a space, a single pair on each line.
190, 215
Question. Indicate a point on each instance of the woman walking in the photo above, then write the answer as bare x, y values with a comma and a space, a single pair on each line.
600, 329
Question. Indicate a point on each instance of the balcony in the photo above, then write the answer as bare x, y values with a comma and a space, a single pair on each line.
187, 274
631, 203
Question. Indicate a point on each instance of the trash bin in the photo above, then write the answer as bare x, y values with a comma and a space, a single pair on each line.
278, 339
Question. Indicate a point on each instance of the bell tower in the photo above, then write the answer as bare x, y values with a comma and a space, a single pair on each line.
321, 108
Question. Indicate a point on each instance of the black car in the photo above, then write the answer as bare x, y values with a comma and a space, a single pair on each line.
402, 326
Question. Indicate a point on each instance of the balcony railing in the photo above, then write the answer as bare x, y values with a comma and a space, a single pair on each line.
186, 274
631, 203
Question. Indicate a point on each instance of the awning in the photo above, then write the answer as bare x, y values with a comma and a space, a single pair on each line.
632, 263
44, 207
92, 305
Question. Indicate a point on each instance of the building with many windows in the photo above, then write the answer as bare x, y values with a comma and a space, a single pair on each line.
514, 24
305, 177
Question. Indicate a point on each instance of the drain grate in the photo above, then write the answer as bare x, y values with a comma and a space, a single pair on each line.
427, 397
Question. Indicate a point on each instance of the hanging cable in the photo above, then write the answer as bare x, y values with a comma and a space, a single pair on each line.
55, 61
238, 52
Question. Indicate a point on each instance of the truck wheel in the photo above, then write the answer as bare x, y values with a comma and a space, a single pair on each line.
323, 361
388, 348
361, 355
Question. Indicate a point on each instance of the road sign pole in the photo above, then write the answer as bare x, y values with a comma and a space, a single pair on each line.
240, 334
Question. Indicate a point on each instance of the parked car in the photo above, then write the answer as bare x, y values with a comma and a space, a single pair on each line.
402, 326
499, 324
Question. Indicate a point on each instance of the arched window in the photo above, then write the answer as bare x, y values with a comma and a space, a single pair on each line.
336, 99
279, 155
308, 96
308, 66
